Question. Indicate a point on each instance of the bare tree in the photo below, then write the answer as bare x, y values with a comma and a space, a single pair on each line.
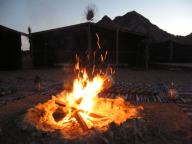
90, 12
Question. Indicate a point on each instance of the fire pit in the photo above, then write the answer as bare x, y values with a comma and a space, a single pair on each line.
76, 112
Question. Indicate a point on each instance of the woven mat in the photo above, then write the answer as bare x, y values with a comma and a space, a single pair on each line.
137, 92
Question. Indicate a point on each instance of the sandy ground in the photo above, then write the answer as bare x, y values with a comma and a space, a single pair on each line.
23, 81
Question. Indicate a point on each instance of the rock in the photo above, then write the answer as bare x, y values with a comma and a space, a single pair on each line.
59, 114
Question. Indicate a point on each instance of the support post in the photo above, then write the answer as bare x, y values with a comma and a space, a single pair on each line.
117, 47
89, 45
89, 37
171, 51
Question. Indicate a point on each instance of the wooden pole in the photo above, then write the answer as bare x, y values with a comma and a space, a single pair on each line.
31, 49
171, 51
117, 47
89, 36
60, 103
89, 44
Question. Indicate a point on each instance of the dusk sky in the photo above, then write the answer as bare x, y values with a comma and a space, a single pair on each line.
173, 16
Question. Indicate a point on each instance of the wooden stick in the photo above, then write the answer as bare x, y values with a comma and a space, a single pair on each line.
94, 115
60, 103
81, 121
78, 117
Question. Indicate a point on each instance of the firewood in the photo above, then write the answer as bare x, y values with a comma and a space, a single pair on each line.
60, 103
80, 120
94, 115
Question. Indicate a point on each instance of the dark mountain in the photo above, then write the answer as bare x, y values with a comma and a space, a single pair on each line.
106, 21
135, 22
138, 23
184, 39
189, 37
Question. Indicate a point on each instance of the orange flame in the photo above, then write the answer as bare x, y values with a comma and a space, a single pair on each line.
98, 41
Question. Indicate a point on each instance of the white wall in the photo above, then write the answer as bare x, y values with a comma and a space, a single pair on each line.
24, 43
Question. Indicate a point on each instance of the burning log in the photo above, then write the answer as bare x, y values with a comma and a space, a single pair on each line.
80, 120
76, 115
58, 115
60, 103
94, 115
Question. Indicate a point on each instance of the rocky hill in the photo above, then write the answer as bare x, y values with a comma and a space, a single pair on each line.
136, 22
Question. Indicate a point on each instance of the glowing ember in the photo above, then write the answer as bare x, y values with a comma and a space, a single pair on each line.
81, 108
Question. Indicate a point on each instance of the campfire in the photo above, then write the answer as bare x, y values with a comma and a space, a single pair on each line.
74, 112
